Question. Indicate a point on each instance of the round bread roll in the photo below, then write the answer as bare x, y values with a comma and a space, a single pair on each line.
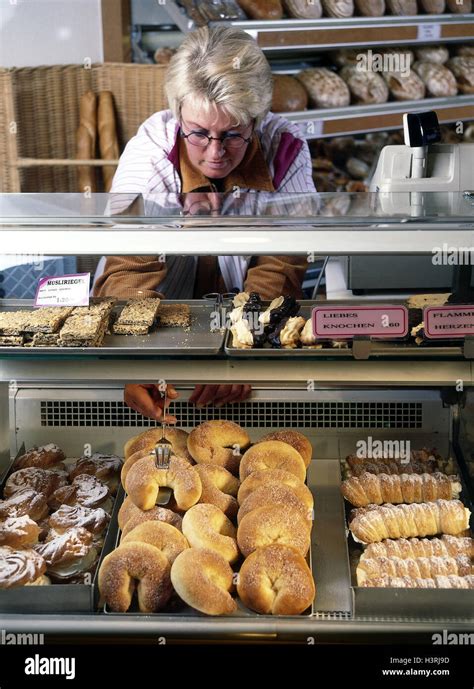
273, 524
269, 477
439, 81
262, 9
288, 94
365, 86
204, 579
347, 56
147, 441
463, 70
370, 8
218, 442
206, 526
140, 454
276, 580
409, 87
165, 537
131, 563
302, 9
432, 6
297, 440
402, 7
338, 8
219, 488
465, 51
325, 88
435, 53
272, 454
144, 481
459, 6
274, 494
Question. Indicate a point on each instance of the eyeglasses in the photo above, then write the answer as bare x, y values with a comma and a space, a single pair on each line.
231, 141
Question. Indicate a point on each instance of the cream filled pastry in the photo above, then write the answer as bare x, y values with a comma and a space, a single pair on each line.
25, 501
290, 335
69, 554
19, 532
104, 467
39, 480
70, 516
264, 317
85, 490
46, 457
20, 568
242, 335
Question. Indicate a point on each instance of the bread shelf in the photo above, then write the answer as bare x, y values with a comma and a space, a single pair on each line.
356, 119
326, 33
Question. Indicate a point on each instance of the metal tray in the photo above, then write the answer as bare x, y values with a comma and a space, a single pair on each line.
61, 598
199, 341
420, 604
331, 577
359, 348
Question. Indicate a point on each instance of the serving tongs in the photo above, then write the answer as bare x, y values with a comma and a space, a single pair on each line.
162, 452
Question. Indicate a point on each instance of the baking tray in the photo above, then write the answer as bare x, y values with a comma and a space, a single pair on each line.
419, 604
331, 578
199, 341
61, 598
357, 349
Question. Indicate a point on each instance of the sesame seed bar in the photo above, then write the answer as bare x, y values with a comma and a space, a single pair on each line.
46, 320
174, 315
11, 341
137, 312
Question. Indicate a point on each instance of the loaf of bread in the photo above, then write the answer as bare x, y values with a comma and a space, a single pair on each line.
402, 7
433, 53
365, 86
414, 567
459, 6
338, 8
370, 8
446, 546
303, 9
465, 51
409, 87
432, 6
325, 88
289, 94
108, 143
86, 137
351, 56
463, 70
440, 82
262, 9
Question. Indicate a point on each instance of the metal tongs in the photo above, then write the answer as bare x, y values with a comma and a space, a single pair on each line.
162, 452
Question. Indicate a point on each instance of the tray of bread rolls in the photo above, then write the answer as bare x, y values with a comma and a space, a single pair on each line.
234, 539
58, 519
410, 546
148, 326
282, 328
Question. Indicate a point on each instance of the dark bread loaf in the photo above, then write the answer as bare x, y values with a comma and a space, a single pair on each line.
262, 9
288, 94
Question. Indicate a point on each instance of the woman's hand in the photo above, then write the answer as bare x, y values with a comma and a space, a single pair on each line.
147, 400
218, 395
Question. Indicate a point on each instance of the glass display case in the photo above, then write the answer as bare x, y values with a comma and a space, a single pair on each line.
366, 390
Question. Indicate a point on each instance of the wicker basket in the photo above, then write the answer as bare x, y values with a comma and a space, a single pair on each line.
39, 115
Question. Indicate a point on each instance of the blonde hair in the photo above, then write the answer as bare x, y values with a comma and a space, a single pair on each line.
220, 66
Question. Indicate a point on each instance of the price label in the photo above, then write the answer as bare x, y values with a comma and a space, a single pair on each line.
64, 290
344, 322
448, 321
429, 32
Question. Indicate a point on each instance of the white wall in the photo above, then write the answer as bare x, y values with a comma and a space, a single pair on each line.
50, 32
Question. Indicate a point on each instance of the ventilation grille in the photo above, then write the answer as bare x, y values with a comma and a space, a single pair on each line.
248, 414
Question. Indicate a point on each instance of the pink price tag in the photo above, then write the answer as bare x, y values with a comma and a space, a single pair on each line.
448, 321
343, 322
63, 290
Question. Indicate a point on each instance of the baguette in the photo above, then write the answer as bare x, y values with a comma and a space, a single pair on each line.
419, 567
86, 141
376, 523
108, 143
408, 488
446, 546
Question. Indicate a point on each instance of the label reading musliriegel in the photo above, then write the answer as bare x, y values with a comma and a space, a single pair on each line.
448, 321
370, 321
64, 290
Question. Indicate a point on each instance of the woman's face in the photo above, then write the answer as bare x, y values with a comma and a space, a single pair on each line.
214, 160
